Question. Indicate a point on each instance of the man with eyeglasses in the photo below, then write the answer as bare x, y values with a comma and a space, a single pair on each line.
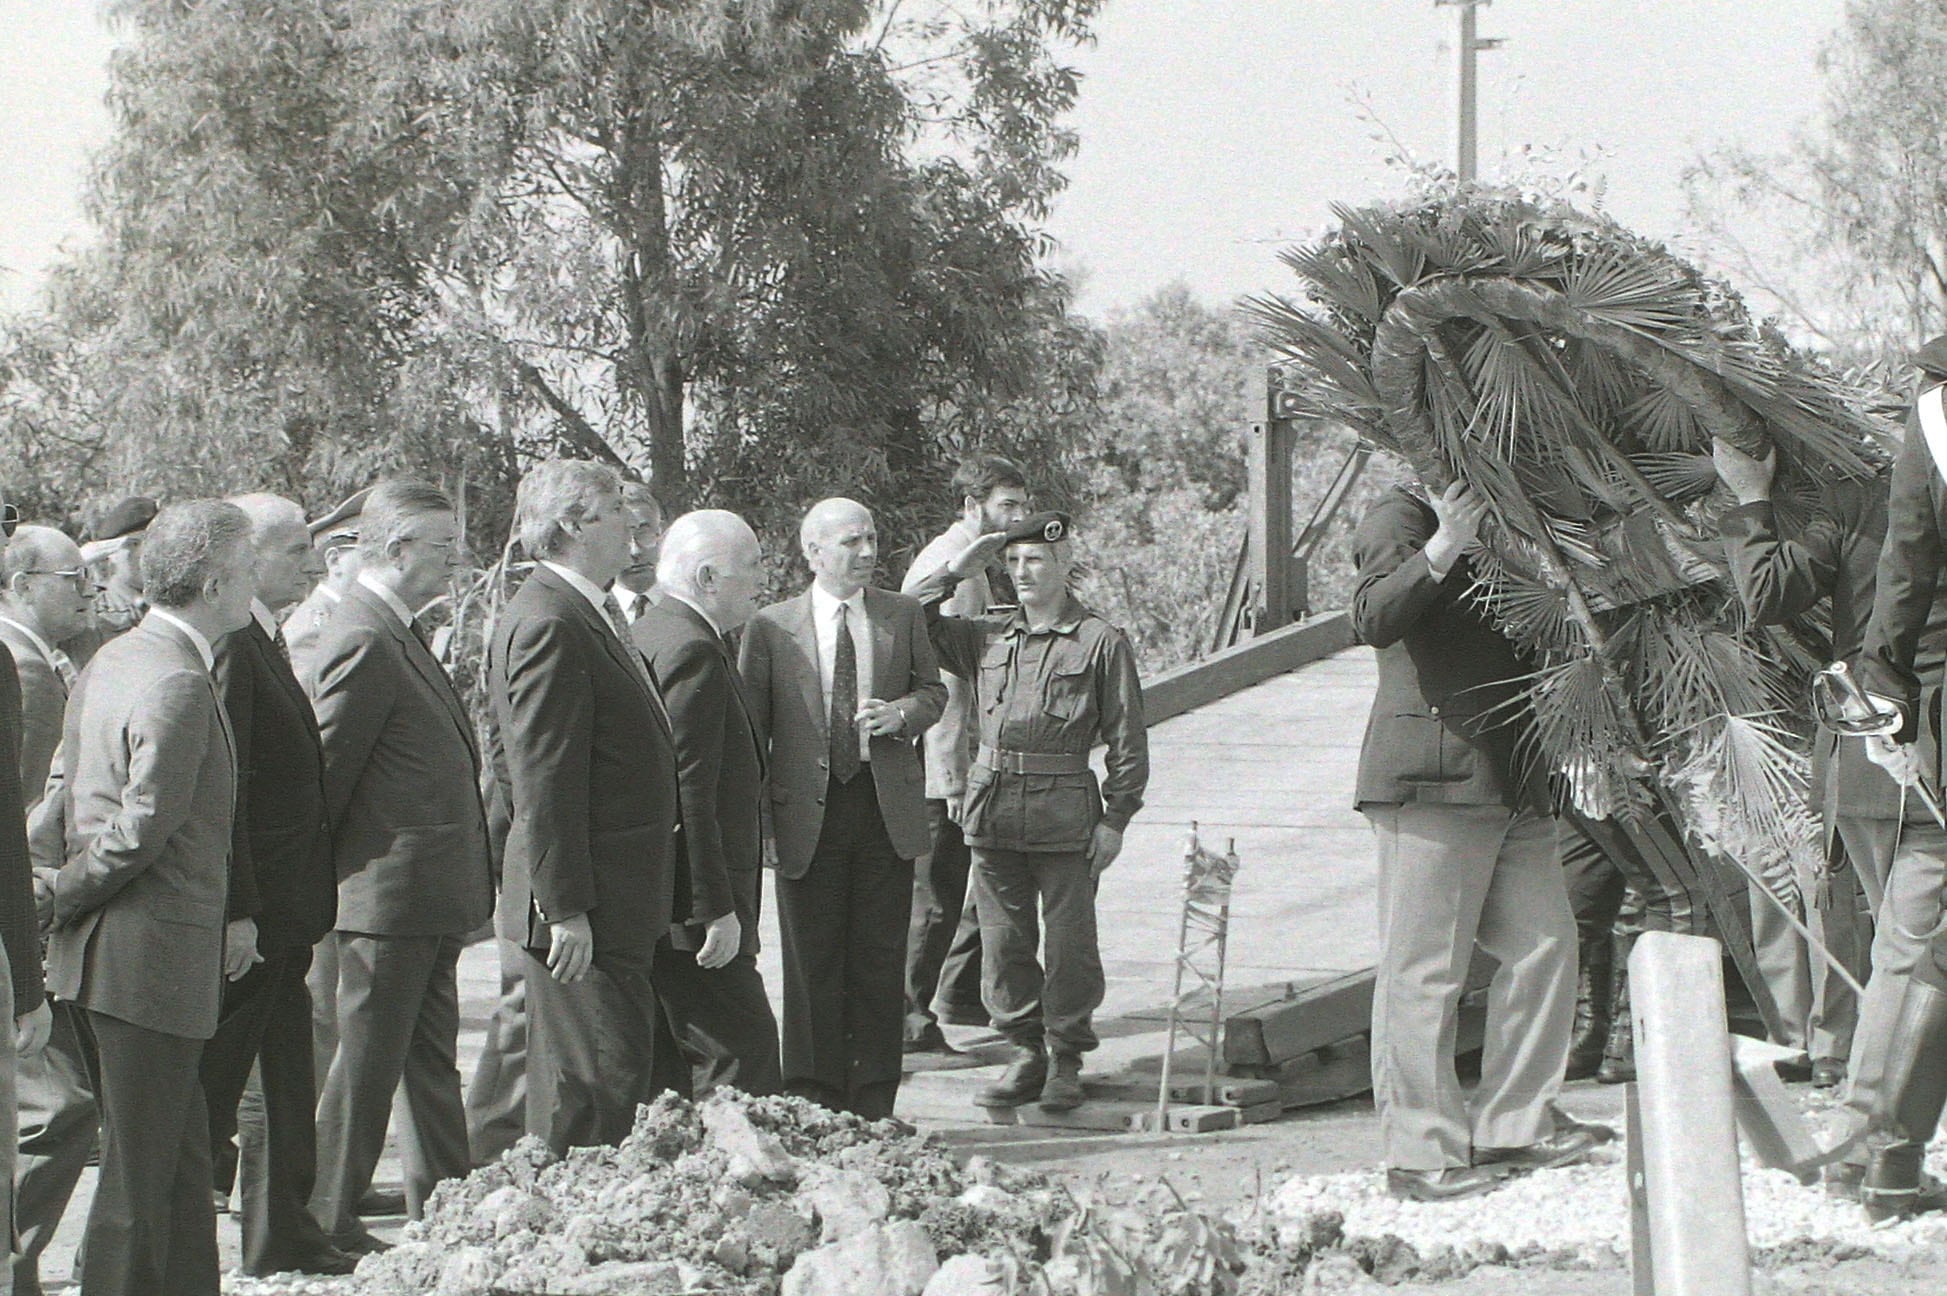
635, 589
409, 841
114, 551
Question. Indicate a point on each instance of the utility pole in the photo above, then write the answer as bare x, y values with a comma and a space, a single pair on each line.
1466, 46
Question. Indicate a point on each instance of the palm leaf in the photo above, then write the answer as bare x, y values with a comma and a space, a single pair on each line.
1679, 477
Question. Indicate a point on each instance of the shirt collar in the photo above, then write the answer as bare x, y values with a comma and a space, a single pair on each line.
825, 605
698, 609
1071, 616
203, 649
386, 596
331, 594
264, 616
588, 589
45, 649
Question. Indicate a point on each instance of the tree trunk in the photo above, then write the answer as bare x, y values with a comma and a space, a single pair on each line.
654, 372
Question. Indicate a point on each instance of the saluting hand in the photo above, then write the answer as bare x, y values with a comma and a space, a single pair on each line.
978, 554
571, 949
240, 948
1103, 846
721, 937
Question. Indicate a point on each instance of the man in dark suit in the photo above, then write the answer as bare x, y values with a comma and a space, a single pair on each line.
1467, 856
44, 600
409, 839
842, 678
586, 767
137, 940
709, 573
283, 899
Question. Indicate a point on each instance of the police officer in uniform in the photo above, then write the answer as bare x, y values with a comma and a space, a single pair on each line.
1051, 680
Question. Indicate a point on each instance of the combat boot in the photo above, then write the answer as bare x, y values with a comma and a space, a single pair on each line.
1619, 1053
1592, 988
1910, 1101
1020, 1083
1063, 1091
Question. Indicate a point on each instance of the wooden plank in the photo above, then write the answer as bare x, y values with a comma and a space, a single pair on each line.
1331, 1074
1219, 675
1316, 1016
1228, 1091
1769, 1119
1187, 1119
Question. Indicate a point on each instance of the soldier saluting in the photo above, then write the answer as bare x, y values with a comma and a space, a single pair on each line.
1051, 680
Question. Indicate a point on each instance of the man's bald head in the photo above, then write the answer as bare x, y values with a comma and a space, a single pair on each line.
287, 564
39, 586
840, 545
712, 559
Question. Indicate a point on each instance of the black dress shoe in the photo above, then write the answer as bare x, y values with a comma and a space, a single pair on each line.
1828, 1073
1794, 1071
382, 1201
1450, 1184
360, 1243
1563, 1147
929, 1040
329, 1261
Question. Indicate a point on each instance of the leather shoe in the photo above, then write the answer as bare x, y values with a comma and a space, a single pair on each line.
1450, 1184
382, 1201
1020, 1083
360, 1243
329, 1261
1063, 1090
929, 1040
1563, 1147
1794, 1070
1828, 1073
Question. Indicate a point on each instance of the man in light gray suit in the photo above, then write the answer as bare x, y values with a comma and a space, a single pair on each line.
840, 680
409, 839
138, 940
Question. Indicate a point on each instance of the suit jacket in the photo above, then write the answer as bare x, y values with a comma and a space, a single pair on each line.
780, 669
280, 858
719, 765
150, 789
19, 928
1442, 728
401, 778
587, 767
43, 703
1891, 660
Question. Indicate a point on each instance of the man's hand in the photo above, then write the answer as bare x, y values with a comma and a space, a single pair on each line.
1103, 847
1747, 478
1900, 760
880, 719
44, 879
953, 804
32, 1028
240, 948
1460, 510
571, 949
978, 554
721, 937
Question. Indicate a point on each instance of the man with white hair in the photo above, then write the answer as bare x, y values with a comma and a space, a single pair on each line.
585, 765
709, 574
841, 679
283, 899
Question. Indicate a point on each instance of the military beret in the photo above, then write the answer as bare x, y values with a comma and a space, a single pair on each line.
1041, 528
342, 522
130, 517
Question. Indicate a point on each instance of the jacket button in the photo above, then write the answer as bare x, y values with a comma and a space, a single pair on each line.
823, 764
1433, 711
821, 800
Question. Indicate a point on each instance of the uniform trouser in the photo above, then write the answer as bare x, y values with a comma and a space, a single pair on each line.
591, 1048
496, 1100
940, 902
1596, 886
1903, 870
266, 1024
398, 1020
721, 1021
152, 1228
1019, 893
1819, 1010
842, 940
59, 1124
1453, 877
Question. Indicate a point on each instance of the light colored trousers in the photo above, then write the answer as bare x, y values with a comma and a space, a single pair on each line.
1903, 871
1453, 877
1819, 1010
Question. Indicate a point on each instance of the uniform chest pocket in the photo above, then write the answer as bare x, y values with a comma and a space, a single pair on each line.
1069, 685
994, 669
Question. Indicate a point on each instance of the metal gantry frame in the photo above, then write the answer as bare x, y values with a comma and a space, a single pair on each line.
1202, 942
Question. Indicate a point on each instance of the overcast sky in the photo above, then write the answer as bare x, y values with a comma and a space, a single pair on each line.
1212, 130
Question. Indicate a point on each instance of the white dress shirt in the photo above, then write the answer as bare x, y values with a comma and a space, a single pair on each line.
824, 619
203, 649
387, 597
634, 604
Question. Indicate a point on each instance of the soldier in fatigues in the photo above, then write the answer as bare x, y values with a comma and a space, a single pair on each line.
1050, 681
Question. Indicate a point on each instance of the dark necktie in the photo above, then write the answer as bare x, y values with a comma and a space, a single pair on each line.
638, 604
283, 644
845, 702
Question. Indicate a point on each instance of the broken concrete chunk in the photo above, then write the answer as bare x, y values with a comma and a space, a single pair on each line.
845, 1201
967, 1275
755, 1157
888, 1260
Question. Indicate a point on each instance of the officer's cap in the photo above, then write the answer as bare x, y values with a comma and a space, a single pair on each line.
340, 526
119, 526
1050, 527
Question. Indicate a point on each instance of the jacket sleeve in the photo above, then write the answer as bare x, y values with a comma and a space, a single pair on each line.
19, 929
546, 711
1120, 706
956, 640
921, 706
42, 705
1779, 579
353, 690
168, 729
1909, 568
1395, 585
754, 664
696, 690
236, 685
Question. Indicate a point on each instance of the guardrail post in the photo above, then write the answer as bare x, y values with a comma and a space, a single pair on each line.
1270, 535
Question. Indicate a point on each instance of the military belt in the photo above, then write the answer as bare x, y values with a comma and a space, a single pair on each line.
1015, 762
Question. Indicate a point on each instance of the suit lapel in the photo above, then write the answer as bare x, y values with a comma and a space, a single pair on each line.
275, 666
422, 660
624, 654
804, 629
175, 638
883, 633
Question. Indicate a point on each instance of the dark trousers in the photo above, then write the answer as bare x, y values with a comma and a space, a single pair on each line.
1596, 884
152, 1230
940, 959
1019, 891
591, 1049
266, 1023
721, 1020
842, 937
398, 1020
59, 1123
496, 1100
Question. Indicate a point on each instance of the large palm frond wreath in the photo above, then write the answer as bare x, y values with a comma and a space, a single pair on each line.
1574, 375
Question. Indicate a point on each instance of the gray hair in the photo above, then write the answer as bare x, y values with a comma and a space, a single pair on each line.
696, 540
637, 495
554, 496
266, 511
187, 546
392, 507
31, 549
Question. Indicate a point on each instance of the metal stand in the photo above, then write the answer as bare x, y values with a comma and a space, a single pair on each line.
1202, 939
